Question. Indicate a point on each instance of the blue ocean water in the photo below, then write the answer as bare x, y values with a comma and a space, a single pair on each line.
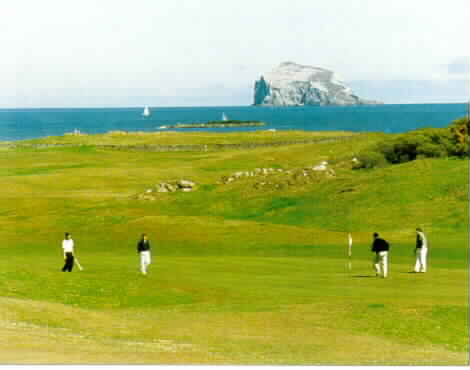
20, 124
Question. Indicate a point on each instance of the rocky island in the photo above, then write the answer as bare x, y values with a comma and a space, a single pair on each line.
292, 84
218, 124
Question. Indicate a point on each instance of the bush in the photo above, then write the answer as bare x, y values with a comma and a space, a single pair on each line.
459, 131
422, 143
370, 159
431, 150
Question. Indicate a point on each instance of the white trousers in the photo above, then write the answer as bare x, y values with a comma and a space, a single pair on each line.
421, 255
381, 263
145, 260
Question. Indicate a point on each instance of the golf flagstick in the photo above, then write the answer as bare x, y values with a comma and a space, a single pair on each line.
349, 251
78, 264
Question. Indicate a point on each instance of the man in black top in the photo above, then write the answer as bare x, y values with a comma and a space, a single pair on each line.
381, 248
143, 248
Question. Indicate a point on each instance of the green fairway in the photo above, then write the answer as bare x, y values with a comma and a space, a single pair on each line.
241, 273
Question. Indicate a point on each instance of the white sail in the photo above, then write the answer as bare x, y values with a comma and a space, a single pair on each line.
146, 112
224, 117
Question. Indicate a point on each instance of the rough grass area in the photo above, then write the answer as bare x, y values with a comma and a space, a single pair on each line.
187, 138
240, 275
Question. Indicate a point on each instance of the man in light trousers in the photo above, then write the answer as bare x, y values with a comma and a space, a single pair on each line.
143, 248
421, 251
381, 248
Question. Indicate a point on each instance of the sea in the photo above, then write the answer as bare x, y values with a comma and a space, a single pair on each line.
21, 124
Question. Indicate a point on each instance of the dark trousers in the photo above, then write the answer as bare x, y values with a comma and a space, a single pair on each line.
68, 262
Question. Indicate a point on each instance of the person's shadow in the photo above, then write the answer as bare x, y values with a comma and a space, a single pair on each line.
363, 276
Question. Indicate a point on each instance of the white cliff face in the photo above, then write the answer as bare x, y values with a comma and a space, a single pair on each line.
294, 84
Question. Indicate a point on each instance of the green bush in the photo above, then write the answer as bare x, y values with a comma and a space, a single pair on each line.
423, 143
459, 132
370, 159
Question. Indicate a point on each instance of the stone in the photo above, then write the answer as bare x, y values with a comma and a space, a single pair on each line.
331, 172
161, 188
186, 184
293, 84
171, 188
321, 167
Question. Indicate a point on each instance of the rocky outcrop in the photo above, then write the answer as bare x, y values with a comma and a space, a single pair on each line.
293, 84
279, 179
167, 187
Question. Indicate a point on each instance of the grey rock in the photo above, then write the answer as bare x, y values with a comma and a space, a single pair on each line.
186, 184
161, 188
321, 167
171, 188
293, 84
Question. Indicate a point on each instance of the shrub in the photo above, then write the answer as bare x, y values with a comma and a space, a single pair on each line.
431, 150
422, 143
370, 159
459, 132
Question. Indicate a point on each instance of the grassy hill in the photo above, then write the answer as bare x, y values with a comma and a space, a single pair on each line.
242, 273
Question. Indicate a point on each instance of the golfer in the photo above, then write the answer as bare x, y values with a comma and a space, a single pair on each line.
67, 246
381, 248
421, 250
143, 248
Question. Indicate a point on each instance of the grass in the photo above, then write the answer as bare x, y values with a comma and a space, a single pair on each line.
240, 275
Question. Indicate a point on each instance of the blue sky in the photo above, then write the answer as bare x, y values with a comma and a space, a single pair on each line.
157, 52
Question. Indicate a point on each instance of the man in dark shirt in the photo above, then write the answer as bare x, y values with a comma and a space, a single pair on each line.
143, 248
381, 248
421, 250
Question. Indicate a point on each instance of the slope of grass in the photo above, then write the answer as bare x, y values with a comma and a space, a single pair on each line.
240, 275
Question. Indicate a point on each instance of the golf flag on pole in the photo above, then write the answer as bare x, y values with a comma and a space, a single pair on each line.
349, 245
349, 251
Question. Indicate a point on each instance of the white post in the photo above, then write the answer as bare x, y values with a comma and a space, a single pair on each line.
349, 245
349, 251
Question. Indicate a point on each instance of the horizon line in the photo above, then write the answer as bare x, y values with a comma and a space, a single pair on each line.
220, 106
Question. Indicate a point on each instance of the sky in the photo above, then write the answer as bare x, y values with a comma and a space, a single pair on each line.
66, 53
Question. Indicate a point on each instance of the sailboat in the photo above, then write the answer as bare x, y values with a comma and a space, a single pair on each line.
224, 117
146, 112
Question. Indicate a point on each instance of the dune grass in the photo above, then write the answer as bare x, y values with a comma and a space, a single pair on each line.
240, 275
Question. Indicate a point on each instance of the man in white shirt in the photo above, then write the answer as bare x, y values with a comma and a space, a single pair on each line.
67, 246
421, 251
